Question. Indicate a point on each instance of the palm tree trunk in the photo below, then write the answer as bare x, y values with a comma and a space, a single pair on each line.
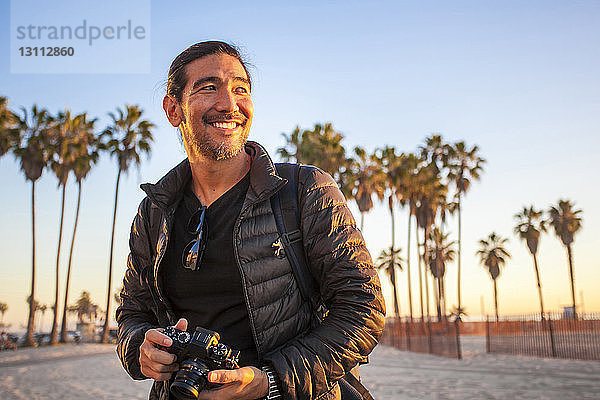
54, 332
420, 273
63, 332
436, 295
31, 320
393, 267
571, 275
444, 308
539, 285
425, 233
458, 260
439, 296
393, 279
105, 331
410, 305
496, 299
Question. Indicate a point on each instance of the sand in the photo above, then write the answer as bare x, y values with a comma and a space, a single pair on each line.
92, 371
395, 374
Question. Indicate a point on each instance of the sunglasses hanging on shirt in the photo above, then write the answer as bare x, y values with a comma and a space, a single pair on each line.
191, 258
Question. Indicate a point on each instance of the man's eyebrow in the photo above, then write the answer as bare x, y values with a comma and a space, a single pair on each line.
208, 79
214, 79
242, 79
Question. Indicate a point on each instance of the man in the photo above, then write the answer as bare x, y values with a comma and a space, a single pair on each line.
202, 253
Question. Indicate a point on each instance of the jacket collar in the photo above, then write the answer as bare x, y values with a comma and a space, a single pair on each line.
264, 180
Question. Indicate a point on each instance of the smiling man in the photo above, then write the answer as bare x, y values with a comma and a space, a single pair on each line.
202, 253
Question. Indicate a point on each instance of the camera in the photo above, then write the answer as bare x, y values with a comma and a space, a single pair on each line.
198, 353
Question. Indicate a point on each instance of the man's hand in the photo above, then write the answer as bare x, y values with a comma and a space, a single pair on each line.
239, 384
158, 364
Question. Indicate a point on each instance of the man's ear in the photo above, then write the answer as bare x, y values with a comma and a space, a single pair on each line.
173, 110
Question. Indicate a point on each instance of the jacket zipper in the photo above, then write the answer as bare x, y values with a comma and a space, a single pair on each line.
166, 223
236, 228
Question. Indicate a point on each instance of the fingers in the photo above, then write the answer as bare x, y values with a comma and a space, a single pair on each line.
182, 324
242, 383
223, 376
156, 337
153, 354
155, 363
157, 371
241, 375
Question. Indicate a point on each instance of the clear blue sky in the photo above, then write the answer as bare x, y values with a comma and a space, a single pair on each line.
520, 79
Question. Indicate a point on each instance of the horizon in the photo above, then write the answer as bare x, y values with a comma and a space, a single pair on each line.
518, 80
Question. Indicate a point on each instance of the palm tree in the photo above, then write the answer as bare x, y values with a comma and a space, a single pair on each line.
62, 163
409, 192
434, 156
493, 256
391, 164
458, 313
84, 307
37, 307
529, 227
9, 139
3, 309
34, 154
42, 309
465, 166
9, 135
322, 146
444, 209
85, 151
566, 222
296, 148
436, 153
125, 138
369, 181
440, 253
388, 261
432, 195
117, 295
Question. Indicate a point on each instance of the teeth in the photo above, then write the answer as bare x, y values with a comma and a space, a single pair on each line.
224, 125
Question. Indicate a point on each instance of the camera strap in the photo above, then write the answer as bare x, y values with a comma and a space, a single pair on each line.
287, 218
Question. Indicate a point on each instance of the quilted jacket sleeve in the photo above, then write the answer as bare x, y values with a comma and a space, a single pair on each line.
134, 315
309, 366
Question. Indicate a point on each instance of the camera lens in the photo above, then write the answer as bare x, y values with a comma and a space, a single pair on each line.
190, 380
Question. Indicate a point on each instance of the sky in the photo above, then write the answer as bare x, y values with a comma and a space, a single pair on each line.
519, 79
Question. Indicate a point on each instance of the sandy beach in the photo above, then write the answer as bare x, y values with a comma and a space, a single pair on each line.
92, 371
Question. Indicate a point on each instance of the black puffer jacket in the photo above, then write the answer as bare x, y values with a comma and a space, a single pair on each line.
308, 362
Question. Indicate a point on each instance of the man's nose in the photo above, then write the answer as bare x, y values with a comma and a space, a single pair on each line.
226, 102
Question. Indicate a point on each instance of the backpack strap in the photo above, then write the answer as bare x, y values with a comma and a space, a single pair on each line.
352, 388
287, 218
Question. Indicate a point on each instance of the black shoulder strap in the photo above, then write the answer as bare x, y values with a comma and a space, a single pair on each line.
352, 388
287, 218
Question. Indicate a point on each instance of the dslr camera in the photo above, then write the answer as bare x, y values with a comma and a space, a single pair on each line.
198, 353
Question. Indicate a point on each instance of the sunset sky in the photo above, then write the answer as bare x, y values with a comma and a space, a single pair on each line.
519, 79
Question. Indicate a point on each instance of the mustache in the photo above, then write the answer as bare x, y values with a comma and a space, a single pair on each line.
238, 116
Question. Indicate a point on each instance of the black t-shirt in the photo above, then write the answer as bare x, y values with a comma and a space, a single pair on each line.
211, 296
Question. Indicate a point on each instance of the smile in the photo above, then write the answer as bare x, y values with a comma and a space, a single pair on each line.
225, 125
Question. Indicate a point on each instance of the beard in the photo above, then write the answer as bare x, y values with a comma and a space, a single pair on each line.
219, 148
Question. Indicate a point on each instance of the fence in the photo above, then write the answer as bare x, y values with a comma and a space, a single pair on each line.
440, 338
552, 337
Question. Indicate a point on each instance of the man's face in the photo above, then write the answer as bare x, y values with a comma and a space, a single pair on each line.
216, 107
